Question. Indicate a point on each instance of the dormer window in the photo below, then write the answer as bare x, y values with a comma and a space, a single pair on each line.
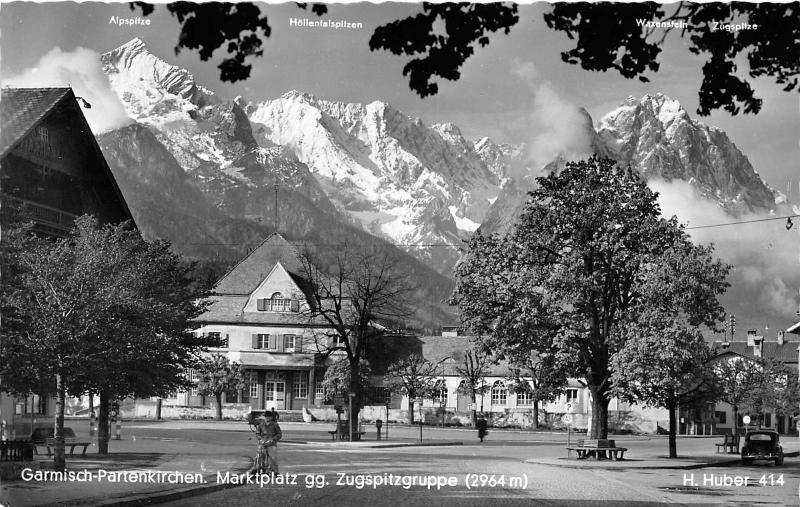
278, 303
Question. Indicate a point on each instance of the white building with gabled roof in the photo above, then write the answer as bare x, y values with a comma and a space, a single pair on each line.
260, 312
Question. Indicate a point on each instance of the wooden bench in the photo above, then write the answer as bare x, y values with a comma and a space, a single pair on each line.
344, 429
44, 436
730, 444
72, 443
599, 448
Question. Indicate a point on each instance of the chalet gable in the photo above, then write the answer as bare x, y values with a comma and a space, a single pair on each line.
279, 291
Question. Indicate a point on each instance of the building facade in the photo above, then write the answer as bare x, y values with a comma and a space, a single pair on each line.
260, 313
782, 349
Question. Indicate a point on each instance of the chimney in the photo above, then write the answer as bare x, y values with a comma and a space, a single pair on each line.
758, 345
781, 339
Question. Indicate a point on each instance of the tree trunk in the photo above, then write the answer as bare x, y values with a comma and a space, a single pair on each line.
599, 424
218, 396
158, 409
735, 419
102, 426
410, 410
673, 431
474, 408
535, 413
355, 387
59, 457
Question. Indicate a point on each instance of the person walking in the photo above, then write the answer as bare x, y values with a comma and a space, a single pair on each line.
481, 425
269, 433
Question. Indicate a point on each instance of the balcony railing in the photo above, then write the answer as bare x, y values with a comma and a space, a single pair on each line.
47, 219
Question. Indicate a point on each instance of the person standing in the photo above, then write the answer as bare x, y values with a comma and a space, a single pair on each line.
481, 425
269, 433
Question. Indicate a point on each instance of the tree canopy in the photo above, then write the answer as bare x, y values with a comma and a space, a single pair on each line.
664, 363
412, 376
218, 375
588, 256
101, 310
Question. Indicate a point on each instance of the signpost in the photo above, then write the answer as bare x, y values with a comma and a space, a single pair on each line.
746, 420
567, 419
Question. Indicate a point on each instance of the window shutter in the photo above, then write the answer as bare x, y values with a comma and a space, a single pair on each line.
298, 343
273, 341
261, 304
255, 341
281, 342
295, 305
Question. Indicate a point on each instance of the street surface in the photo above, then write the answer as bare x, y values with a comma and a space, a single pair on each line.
499, 460
510, 468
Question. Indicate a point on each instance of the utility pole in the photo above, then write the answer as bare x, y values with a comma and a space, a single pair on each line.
276, 206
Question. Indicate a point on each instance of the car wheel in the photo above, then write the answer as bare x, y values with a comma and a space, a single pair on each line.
747, 461
779, 461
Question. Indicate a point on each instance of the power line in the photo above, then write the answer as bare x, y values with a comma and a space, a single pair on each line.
448, 245
788, 217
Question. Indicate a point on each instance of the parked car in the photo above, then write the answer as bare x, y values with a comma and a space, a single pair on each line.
762, 444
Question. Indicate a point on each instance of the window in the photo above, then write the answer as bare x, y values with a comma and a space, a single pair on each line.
721, 417
219, 340
572, 396
262, 341
194, 378
36, 402
277, 303
288, 342
300, 384
319, 391
440, 393
252, 384
525, 398
499, 393
338, 341
43, 133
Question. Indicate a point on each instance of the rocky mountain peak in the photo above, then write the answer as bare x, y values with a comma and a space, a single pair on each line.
145, 80
656, 135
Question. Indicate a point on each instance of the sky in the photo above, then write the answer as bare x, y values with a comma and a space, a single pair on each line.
514, 90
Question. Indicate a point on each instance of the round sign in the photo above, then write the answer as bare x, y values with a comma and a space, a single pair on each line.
569, 408
746, 419
566, 418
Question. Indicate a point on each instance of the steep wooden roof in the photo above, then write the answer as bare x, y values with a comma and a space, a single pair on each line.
21, 109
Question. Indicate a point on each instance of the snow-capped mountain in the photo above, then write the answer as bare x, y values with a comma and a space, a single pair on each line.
209, 137
656, 135
400, 178
342, 165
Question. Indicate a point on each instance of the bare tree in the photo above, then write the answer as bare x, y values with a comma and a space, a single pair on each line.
473, 370
356, 296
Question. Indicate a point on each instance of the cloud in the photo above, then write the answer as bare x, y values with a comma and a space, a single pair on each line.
81, 70
557, 126
766, 273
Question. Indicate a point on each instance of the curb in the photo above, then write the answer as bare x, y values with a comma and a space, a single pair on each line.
633, 466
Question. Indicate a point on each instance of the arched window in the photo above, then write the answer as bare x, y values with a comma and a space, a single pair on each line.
440, 393
277, 303
499, 393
